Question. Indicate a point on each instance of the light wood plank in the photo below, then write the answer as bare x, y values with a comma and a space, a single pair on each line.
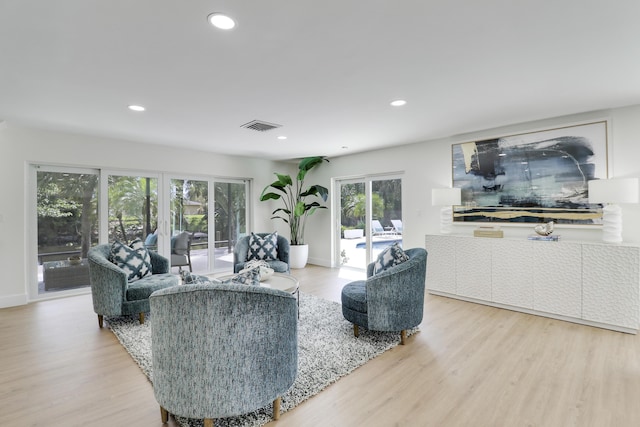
469, 365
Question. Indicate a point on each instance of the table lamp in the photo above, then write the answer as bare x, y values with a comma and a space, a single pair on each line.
610, 192
445, 197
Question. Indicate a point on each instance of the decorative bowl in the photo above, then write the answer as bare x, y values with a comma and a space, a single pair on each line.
265, 273
74, 260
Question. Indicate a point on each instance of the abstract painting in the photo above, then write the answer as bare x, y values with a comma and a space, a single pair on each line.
531, 177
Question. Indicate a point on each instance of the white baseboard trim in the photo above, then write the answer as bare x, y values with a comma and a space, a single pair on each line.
585, 322
13, 300
319, 261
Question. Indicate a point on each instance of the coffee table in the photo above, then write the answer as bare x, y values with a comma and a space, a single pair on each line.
280, 281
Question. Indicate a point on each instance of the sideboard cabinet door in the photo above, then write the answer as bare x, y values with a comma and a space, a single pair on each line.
441, 261
557, 278
473, 268
511, 281
610, 281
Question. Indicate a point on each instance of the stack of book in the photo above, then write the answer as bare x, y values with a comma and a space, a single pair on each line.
549, 238
488, 232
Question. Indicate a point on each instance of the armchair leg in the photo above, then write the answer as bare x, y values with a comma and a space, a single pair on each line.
100, 320
276, 408
356, 331
141, 318
403, 336
208, 422
164, 415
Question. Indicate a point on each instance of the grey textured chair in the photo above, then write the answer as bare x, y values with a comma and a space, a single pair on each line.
222, 350
241, 250
392, 300
113, 295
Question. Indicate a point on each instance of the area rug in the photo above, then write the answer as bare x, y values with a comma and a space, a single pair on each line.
327, 351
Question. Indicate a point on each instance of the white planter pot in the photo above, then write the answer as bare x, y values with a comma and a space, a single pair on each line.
298, 255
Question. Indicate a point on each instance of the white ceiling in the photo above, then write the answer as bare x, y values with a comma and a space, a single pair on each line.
325, 70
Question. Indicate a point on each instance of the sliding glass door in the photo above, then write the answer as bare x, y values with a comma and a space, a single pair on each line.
189, 224
231, 213
67, 226
133, 207
75, 209
212, 225
370, 212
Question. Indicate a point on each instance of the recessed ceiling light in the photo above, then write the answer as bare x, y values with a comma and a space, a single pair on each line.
398, 102
282, 137
136, 108
221, 21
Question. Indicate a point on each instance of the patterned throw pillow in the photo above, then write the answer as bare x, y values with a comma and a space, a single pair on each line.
263, 248
133, 259
248, 277
392, 255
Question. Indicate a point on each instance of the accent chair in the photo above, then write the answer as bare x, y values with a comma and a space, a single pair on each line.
114, 295
241, 252
391, 300
222, 350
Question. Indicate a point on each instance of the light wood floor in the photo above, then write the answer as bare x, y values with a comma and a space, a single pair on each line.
470, 365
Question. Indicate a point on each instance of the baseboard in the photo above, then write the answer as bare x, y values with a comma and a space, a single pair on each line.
585, 322
319, 261
13, 300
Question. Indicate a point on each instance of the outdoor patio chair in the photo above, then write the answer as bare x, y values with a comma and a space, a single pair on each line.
181, 251
397, 225
378, 230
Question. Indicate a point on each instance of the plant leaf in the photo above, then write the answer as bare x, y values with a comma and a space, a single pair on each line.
316, 190
269, 196
300, 209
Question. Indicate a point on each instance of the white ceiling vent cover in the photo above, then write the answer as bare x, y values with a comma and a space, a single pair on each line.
260, 125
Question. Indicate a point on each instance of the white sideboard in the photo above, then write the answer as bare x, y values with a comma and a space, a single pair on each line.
591, 283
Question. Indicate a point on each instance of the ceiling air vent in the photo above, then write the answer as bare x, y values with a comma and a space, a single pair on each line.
260, 126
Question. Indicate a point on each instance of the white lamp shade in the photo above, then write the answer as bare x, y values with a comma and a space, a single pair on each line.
618, 190
445, 196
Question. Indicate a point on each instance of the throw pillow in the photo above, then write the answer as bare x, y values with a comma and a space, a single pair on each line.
192, 279
133, 259
263, 248
248, 277
392, 255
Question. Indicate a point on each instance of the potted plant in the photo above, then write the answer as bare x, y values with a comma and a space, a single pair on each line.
296, 208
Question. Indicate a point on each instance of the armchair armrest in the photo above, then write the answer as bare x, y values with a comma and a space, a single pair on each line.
108, 285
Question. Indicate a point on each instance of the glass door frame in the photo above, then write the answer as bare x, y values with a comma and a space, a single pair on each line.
164, 211
368, 180
103, 204
32, 227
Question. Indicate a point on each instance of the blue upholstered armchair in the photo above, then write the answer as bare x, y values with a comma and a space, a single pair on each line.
113, 295
222, 350
241, 251
391, 300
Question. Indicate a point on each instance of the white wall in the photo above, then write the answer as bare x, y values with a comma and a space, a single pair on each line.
427, 165
22, 146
